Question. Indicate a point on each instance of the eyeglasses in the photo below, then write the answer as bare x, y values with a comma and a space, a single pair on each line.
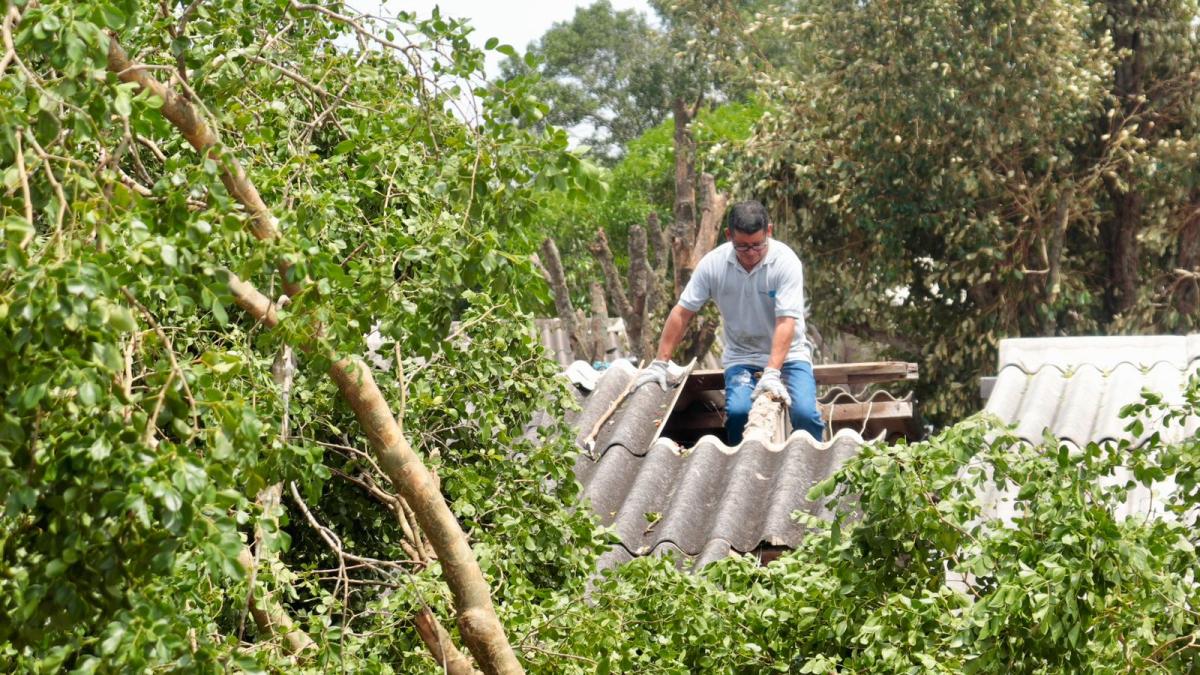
745, 248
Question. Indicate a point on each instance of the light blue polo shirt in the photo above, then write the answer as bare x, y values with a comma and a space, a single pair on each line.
750, 302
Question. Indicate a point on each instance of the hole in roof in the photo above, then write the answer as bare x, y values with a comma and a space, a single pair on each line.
699, 411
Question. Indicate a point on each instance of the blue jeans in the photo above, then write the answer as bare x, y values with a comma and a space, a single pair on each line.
797, 377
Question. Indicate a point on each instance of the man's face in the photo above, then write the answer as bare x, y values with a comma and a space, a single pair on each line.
750, 248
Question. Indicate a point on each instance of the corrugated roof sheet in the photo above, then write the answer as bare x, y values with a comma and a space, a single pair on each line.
556, 341
1076, 387
713, 499
705, 502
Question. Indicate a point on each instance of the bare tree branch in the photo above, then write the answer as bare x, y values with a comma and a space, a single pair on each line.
552, 269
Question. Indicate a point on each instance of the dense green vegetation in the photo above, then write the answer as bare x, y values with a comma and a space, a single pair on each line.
149, 412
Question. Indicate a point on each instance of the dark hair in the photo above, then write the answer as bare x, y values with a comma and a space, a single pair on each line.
747, 217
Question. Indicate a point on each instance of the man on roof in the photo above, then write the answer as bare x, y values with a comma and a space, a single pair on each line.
758, 285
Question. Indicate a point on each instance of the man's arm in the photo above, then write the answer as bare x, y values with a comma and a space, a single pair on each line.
781, 342
676, 324
673, 330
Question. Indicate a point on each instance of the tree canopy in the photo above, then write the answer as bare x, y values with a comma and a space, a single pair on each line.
958, 172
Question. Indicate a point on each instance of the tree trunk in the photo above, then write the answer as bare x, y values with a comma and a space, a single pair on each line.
477, 620
711, 215
683, 232
1187, 259
1058, 236
1119, 232
552, 269
660, 243
640, 285
599, 322
616, 289
185, 118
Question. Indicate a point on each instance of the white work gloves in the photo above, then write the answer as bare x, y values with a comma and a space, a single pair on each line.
655, 372
771, 385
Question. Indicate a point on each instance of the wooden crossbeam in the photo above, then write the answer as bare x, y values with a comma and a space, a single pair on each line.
856, 412
850, 374
838, 412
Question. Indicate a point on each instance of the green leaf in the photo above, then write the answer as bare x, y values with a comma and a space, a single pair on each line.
121, 319
122, 103
55, 568
113, 17
112, 639
89, 393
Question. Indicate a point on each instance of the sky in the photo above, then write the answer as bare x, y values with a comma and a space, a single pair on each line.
515, 23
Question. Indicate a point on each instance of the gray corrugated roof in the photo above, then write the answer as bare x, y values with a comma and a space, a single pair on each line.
556, 341
710, 500
1076, 387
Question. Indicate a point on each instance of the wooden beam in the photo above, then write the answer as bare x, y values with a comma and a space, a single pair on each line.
829, 374
880, 410
842, 412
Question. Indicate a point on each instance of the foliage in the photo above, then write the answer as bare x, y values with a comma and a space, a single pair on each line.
921, 572
606, 70
612, 75
140, 417
958, 172
641, 183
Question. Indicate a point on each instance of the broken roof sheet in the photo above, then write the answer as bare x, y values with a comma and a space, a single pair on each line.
1076, 387
703, 503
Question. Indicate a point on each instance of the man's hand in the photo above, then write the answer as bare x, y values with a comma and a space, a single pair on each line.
655, 372
771, 385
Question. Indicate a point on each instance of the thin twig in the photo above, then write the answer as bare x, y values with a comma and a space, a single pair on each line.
175, 369
353, 23
291, 75
10, 54
152, 146
24, 176
151, 423
58, 190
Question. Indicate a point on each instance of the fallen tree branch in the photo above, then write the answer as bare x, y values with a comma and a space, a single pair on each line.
180, 112
270, 616
477, 620
432, 633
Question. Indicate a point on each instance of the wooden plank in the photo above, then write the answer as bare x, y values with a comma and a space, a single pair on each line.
828, 374
880, 410
842, 412
865, 373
